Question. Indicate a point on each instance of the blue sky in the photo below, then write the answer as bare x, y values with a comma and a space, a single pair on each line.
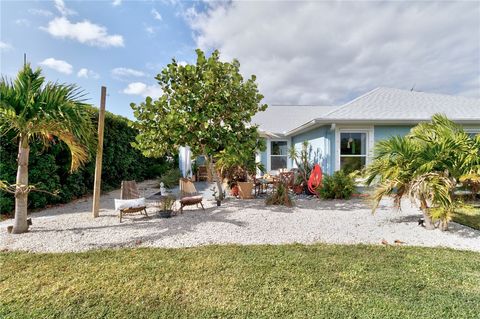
309, 53
149, 41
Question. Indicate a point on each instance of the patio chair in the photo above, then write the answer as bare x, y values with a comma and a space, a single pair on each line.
188, 194
288, 178
202, 173
130, 191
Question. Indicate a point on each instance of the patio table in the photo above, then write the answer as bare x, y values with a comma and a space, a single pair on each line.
263, 183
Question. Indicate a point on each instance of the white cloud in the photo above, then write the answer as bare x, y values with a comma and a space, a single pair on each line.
22, 22
124, 73
4, 46
83, 32
62, 8
156, 15
116, 3
40, 12
87, 74
150, 30
328, 52
57, 65
140, 88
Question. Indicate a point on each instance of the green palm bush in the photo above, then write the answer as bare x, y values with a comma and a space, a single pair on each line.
35, 110
425, 166
340, 185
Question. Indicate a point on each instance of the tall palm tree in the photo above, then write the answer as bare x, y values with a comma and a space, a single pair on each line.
425, 165
36, 110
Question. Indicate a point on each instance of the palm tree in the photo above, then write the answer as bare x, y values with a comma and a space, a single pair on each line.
425, 165
36, 110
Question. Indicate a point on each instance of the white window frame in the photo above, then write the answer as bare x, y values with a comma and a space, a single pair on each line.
354, 129
269, 152
472, 130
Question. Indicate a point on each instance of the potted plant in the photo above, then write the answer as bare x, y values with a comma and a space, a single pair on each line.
233, 189
167, 207
194, 171
215, 195
245, 189
302, 160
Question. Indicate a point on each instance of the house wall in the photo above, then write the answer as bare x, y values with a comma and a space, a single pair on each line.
382, 132
322, 146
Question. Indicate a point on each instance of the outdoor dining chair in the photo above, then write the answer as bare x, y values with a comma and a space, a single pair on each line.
130, 191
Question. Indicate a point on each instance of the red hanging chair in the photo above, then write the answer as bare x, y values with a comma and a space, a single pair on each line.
315, 179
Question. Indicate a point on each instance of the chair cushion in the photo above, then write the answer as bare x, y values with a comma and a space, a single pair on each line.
190, 200
129, 203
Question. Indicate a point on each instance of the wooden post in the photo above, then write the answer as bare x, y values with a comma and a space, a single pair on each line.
98, 163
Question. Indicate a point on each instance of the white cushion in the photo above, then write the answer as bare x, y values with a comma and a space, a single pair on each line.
129, 203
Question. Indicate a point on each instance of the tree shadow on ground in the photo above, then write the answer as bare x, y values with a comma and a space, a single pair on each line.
454, 228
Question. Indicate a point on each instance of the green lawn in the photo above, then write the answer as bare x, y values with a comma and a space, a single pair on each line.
291, 281
468, 217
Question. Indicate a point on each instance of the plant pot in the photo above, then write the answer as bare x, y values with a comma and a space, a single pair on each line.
245, 189
165, 214
234, 191
307, 191
298, 189
219, 202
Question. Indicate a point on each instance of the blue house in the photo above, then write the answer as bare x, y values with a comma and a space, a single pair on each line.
343, 137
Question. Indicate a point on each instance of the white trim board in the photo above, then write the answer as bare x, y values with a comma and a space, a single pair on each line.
369, 129
269, 151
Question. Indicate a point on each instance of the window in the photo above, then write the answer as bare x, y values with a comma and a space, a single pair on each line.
472, 133
353, 151
278, 155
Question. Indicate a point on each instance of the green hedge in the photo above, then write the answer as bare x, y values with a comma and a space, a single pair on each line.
49, 168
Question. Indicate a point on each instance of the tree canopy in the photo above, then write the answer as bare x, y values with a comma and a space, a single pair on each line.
206, 106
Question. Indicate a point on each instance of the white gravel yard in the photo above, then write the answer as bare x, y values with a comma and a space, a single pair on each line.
71, 228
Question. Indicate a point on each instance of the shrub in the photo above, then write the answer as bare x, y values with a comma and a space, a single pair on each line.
170, 178
338, 186
280, 196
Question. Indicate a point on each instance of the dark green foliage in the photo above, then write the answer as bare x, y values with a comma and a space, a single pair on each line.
235, 281
280, 196
170, 178
49, 168
340, 185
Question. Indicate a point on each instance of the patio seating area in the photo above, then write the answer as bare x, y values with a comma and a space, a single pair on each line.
70, 227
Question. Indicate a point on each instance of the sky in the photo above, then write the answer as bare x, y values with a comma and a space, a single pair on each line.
309, 53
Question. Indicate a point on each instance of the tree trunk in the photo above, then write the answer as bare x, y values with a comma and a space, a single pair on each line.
444, 225
213, 176
210, 169
428, 220
20, 224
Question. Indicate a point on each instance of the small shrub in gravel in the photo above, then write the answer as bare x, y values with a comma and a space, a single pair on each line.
280, 196
340, 185
170, 178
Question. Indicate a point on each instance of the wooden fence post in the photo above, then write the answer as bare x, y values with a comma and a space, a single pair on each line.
98, 162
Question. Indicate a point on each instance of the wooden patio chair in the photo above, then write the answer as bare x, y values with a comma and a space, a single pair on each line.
188, 194
288, 178
202, 173
130, 191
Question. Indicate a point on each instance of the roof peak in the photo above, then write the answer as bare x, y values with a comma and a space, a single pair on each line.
422, 92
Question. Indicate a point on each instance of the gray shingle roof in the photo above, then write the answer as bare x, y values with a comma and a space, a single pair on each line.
394, 104
279, 119
379, 105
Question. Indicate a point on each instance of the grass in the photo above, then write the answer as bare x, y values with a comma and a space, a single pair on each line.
468, 216
290, 281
